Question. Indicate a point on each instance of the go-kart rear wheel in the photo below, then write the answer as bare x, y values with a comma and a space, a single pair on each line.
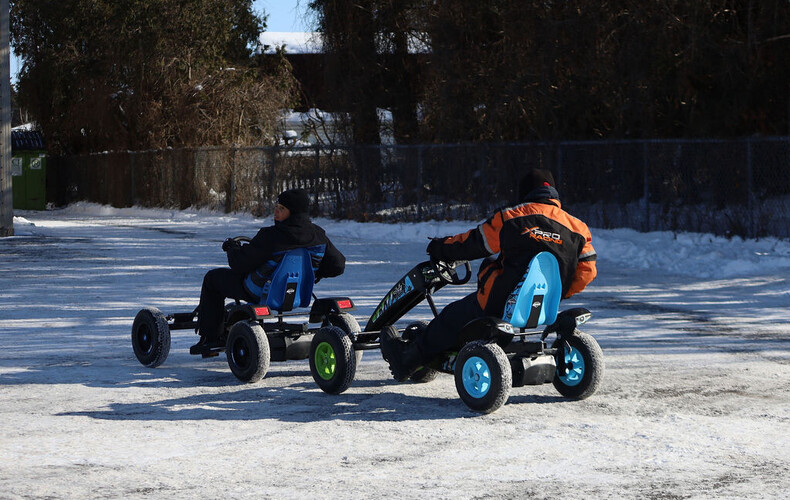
151, 337
332, 360
348, 324
483, 376
584, 365
248, 351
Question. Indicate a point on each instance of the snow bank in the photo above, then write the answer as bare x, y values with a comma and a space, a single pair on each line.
690, 254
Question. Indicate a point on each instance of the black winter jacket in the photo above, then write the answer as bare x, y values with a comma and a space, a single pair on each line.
259, 258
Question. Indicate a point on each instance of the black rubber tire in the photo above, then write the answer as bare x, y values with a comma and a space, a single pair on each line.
348, 324
248, 351
424, 375
151, 337
498, 373
332, 360
593, 371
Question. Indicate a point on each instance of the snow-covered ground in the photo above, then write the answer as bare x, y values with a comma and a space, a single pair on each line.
695, 402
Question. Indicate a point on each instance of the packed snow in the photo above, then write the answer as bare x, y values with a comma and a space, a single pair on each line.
694, 403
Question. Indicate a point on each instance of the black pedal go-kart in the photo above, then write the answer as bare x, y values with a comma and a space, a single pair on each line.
255, 334
493, 354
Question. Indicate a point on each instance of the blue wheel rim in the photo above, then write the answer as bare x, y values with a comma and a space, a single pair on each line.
476, 377
574, 367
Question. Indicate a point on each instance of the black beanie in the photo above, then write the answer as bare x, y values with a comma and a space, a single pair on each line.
535, 179
295, 200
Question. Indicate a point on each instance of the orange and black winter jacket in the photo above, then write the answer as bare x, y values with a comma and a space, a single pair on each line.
517, 234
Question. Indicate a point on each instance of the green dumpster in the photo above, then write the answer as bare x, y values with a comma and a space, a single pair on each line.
28, 170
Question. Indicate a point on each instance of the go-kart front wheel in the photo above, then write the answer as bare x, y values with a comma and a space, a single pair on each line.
483, 376
151, 337
248, 351
333, 363
582, 359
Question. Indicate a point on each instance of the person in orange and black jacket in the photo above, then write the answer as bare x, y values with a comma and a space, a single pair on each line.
251, 265
509, 240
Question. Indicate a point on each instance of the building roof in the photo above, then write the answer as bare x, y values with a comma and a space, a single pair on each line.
312, 42
293, 42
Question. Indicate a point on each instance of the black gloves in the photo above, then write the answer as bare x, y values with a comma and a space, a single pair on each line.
434, 248
230, 244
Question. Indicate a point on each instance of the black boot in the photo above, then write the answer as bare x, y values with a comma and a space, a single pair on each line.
404, 358
207, 346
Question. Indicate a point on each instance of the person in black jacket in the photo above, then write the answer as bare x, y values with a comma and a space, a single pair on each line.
251, 264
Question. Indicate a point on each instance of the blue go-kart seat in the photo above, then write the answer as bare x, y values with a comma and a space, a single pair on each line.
291, 284
536, 299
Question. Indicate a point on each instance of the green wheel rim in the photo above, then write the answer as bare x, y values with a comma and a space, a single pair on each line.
325, 361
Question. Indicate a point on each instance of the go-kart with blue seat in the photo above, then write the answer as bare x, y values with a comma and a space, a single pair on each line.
255, 334
493, 354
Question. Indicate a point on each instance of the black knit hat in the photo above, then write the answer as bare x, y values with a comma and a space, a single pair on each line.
535, 179
295, 200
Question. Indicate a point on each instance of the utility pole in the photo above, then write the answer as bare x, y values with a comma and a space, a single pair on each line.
6, 200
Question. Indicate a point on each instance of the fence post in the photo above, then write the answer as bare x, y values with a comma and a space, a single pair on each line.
751, 232
6, 182
231, 182
196, 188
419, 182
646, 187
559, 164
175, 188
132, 156
275, 152
318, 184
482, 196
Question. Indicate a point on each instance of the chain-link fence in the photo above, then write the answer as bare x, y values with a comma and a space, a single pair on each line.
732, 187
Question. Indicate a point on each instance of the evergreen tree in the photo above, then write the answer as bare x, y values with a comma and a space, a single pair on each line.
138, 74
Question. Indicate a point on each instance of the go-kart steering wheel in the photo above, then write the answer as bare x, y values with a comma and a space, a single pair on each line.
242, 239
447, 271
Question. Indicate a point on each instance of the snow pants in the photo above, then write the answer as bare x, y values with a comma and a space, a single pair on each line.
442, 333
218, 284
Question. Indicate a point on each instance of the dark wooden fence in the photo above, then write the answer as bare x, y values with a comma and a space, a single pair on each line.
729, 187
